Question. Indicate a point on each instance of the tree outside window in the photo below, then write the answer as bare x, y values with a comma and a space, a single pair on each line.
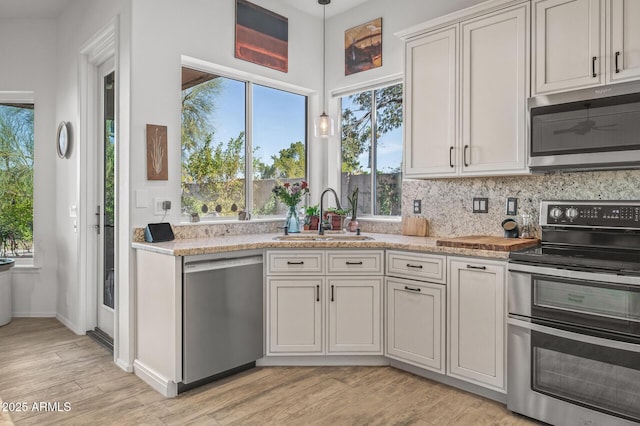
372, 150
16, 180
224, 167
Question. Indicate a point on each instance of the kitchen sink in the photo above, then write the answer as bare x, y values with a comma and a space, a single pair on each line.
326, 237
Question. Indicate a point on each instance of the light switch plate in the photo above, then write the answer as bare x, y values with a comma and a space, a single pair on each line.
512, 206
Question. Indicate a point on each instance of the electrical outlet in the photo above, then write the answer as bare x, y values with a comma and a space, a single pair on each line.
480, 205
159, 205
512, 206
417, 206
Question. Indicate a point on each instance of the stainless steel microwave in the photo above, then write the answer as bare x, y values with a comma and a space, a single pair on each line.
588, 129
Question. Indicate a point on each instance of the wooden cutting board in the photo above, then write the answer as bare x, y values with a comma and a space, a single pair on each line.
415, 226
487, 242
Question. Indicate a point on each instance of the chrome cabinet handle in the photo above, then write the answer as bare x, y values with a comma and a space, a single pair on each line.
295, 263
414, 266
406, 287
318, 293
450, 156
481, 268
617, 56
332, 299
593, 66
353, 263
464, 155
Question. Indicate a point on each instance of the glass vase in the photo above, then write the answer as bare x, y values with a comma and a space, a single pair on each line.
293, 220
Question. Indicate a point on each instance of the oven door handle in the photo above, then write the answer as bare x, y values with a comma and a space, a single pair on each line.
584, 338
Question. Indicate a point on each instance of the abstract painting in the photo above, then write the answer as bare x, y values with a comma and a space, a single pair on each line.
262, 37
363, 47
157, 163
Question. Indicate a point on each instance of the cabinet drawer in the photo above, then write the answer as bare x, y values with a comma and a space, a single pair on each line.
295, 262
416, 266
356, 262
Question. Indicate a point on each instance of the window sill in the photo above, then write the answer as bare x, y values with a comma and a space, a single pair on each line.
232, 221
380, 219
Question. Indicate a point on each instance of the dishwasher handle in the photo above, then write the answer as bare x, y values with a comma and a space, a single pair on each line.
213, 264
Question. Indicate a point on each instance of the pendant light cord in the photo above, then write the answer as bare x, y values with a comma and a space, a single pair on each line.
324, 57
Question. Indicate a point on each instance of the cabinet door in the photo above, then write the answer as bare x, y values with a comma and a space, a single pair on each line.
415, 323
623, 47
494, 86
567, 38
430, 105
354, 315
295, 314
476, 328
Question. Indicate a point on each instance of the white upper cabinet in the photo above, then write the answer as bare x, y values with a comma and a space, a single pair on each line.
584, 43
430, 104
465, 99
495, 87
623, 26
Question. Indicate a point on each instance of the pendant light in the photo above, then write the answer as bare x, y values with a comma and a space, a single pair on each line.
323, 125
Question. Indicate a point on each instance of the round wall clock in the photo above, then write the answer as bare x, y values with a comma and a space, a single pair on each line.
63, 140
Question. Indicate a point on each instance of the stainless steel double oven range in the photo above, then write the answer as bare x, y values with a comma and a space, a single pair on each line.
574, 316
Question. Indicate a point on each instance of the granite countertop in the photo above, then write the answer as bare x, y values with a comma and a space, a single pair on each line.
219, 244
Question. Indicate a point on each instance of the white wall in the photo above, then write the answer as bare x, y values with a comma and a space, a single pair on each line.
163, 30
27, 49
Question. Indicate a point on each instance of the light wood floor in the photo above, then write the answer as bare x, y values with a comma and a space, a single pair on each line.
42, 361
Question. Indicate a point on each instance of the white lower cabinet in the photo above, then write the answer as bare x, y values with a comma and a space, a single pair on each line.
415, 318
476, 326
340, 305
295, 314
355, 318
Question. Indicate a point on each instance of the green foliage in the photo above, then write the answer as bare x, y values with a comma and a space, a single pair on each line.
290, 163
290, 194
197, 104
353, 202
16, 179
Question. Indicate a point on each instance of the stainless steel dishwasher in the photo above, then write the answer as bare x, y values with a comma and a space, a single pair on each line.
222, 315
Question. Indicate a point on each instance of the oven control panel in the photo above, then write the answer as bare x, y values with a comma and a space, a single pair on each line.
606, 214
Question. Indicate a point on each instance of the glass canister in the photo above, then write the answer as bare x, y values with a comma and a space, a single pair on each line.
525, 228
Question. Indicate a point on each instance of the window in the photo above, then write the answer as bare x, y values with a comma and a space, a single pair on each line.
16, 180
224, 141
372, 149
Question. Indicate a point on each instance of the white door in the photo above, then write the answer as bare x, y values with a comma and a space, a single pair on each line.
105, 210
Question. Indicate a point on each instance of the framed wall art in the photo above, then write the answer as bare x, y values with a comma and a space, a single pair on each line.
262, 37
157, 163
363, 47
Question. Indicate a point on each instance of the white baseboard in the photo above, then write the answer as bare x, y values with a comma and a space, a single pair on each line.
70, 325
34, 314
124, 365
156, 381
320, 360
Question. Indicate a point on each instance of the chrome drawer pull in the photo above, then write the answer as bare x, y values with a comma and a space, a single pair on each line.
406, 287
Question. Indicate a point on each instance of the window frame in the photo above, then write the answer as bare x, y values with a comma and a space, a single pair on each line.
249, 81
337, 96
26, 97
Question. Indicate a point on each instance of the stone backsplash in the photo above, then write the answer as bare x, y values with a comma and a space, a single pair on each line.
447, 203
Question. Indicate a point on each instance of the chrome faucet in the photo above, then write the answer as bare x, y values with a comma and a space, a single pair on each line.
320, 222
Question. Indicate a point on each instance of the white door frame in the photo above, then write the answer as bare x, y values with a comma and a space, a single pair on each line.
101, 47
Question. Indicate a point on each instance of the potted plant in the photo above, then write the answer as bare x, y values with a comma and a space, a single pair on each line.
311, 218
337, 217
352, 226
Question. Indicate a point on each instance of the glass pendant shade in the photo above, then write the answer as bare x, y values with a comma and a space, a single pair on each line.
323, 126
